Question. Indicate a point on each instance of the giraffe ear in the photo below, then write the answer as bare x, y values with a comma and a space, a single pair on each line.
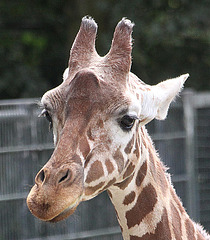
156, 100
165, 92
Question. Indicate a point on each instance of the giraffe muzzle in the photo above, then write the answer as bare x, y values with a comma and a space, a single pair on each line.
56, 193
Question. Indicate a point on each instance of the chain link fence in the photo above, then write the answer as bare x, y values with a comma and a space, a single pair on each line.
183, 141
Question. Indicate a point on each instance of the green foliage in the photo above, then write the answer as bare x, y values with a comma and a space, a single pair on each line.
170, 38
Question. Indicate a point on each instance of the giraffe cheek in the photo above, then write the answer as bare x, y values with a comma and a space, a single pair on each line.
92, 191
94, 180
95, 172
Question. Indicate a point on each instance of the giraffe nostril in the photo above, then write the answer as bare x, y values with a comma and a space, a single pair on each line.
40, 177
65, 176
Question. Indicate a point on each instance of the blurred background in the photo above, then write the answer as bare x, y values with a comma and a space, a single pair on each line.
171, 37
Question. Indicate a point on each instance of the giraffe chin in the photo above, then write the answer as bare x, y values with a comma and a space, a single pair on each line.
63, 215
66, 212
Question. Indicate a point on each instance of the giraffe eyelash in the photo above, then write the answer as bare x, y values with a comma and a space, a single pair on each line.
127, 122
45, 113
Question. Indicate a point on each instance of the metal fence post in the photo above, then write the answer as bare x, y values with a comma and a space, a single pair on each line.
189, 123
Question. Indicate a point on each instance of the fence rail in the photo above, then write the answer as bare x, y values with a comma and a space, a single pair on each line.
111, 231
183, 141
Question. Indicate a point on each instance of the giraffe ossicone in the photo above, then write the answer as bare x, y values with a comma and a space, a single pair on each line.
98, 115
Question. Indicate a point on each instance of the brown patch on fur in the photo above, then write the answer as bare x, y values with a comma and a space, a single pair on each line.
129, 198
176, 222
96, 171
129, 170
177, 200
109, 166
89, 134
162, 231
122, 185
136, 151
129, 146
141, 174
144, 205
158, 171
110, 183
135, 238
91, 190
84, 147
118, 157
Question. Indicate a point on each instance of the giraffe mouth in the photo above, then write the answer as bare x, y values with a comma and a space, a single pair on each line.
66, 212
63, 215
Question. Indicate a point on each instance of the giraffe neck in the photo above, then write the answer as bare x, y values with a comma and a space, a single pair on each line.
146, 204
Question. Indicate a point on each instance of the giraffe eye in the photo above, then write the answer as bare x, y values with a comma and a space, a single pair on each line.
127, 122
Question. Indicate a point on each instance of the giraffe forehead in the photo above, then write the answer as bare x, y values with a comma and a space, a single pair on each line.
91, 84
89, 89
85, 84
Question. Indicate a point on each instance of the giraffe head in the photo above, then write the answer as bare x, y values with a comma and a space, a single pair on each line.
95, 114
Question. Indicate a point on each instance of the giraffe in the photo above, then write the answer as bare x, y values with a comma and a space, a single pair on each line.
98, 116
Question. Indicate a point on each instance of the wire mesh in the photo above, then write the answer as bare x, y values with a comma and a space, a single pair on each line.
26, 145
